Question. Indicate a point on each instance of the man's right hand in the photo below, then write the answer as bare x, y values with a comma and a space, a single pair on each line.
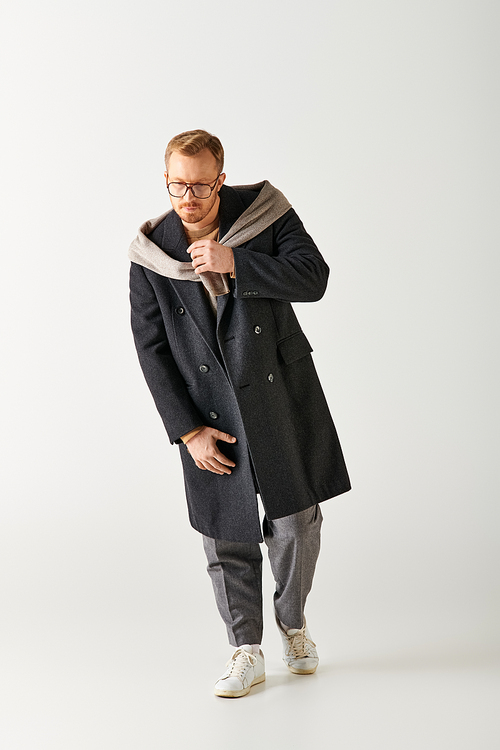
203, 448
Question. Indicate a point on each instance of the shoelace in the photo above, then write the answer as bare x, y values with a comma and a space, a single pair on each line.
239, 663
298, 645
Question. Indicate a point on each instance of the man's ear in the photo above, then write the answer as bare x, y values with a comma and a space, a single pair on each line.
222, 178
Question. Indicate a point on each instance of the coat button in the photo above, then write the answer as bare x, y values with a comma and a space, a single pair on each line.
214, 415
204, 368
270, 377
180, 310
257, 329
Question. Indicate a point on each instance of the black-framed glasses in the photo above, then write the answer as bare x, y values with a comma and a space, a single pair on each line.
198, 189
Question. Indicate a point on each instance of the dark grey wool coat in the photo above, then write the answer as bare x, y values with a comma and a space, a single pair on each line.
250, 374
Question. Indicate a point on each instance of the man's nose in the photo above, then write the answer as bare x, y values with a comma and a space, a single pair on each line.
189, 190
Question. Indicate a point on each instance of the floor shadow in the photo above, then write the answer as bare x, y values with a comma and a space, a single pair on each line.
278, 679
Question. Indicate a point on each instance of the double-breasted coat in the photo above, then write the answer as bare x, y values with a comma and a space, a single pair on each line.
247, 371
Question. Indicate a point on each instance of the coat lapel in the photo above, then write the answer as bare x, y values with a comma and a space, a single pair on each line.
191, 293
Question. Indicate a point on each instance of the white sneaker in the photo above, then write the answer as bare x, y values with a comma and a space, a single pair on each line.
244, 669
299, 651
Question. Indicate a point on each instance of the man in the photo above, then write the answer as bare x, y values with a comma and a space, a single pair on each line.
233, 379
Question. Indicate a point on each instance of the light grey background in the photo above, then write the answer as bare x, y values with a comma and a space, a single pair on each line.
379, 121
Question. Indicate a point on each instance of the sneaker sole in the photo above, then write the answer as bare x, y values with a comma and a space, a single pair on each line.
239, 693
294, 670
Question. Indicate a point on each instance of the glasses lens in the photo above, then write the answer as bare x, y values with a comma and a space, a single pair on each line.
201, 191
176, 189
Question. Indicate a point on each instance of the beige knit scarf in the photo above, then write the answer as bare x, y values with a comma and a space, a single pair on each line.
269, 205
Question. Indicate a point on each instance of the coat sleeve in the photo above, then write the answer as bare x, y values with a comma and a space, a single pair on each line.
167, 386
295, 272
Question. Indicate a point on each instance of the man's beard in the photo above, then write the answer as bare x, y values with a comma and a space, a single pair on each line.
202, 210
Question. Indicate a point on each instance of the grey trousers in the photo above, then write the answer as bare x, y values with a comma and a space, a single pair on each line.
235, 568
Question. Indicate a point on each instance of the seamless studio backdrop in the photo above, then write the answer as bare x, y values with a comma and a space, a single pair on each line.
379, 121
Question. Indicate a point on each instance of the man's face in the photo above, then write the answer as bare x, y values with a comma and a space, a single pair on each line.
201, 168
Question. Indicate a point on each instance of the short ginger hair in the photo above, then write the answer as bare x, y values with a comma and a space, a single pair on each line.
191, 142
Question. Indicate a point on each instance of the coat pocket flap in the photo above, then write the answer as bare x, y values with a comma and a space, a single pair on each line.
294, 347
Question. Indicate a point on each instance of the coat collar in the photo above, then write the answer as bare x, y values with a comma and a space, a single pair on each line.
231, 208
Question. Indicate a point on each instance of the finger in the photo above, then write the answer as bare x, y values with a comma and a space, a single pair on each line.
197, 252
225, 436
216, 468
217, 462
224, 460
198, 245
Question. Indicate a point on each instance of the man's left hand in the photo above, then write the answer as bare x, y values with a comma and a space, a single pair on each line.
208, 255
